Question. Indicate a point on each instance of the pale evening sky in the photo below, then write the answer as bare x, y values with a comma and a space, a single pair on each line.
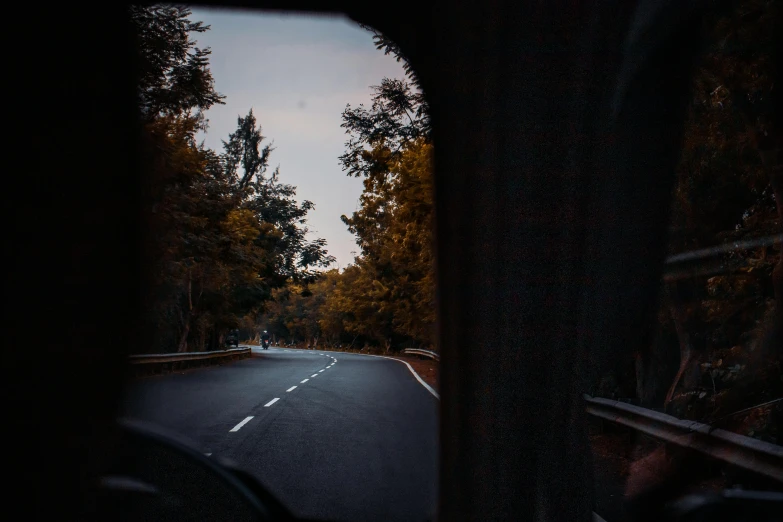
297, 73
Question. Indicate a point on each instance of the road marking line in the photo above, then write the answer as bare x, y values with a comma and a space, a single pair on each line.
319, 371
236, 428
421, 381
314, 375
268, 404
291, 388
304, 381
208, 454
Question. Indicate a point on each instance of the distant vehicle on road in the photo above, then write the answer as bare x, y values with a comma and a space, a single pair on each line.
265, 340
232, 338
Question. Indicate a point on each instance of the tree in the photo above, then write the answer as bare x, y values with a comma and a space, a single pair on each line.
398, 116
363, 303
388, 46
728, 191
243, 151
175, 79
282, 219
394, 230
296, 312
186, 193
188, 217
223, 234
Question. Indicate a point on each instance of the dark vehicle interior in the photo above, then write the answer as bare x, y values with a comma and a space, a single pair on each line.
557, 126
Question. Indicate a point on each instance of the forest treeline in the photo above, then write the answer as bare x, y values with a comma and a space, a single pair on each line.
229, 242
223, 231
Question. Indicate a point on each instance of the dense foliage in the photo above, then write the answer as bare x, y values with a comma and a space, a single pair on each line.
719, 348
223, 231
386, 298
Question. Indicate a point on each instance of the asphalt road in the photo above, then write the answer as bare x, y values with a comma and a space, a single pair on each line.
334, 436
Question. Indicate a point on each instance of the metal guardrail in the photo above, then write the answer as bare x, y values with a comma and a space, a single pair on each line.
192, 356
423, 353
743, 452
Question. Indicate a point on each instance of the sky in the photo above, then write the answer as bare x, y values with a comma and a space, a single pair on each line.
297, 73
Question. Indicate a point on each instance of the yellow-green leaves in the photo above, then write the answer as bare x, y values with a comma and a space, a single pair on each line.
242, 226
389, 291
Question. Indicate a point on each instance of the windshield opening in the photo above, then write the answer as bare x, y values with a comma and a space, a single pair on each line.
289, 207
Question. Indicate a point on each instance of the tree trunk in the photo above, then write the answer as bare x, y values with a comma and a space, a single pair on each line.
639, 367
678, 313
183, 341
776, 180
686, 355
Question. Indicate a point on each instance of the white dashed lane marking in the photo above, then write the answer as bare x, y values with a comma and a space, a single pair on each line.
270, 403
238, 426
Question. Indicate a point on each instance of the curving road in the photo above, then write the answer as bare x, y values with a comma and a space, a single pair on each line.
334, 436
